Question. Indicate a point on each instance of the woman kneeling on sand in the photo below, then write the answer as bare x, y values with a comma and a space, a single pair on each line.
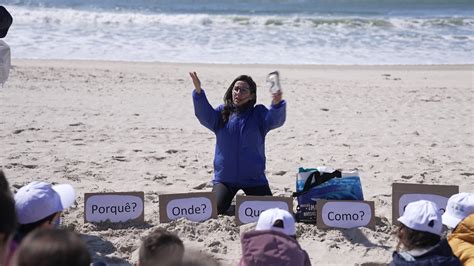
240, 127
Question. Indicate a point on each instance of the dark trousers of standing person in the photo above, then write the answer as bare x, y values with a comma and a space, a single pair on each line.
225, 194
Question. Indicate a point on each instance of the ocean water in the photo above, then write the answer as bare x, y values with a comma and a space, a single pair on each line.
342, 32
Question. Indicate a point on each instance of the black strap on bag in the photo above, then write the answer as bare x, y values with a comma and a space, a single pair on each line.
318, 178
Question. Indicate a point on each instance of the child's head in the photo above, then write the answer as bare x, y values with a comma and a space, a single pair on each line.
52, 247
277, 220
420, 225
39, 203
197, 258
161, 248
459, 207
8, 221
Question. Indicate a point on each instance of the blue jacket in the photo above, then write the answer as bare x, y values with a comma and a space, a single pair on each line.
440, 255
239, 159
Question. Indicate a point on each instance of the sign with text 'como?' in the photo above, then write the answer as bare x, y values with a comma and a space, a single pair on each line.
114, 207
197, 207
402, 194
248, 208
345, 213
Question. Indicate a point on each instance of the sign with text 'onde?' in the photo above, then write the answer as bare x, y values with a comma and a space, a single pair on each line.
402, 194
248, 208
115, 207
345, 213
196, 206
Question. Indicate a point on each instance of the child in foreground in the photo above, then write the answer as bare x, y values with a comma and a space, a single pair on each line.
161, 248
419, 235
52, 247
273, 242
8, 221
459, 216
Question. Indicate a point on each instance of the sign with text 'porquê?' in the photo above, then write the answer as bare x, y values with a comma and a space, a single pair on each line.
403, 193
248, 208
196, 206
114, 207
345, 214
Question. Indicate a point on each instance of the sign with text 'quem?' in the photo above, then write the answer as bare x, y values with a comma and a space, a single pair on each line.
345, 213
248, 208
114, 207
196, 207
402, 194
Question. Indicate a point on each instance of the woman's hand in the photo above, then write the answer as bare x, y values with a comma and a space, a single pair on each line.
276, 97
196, 82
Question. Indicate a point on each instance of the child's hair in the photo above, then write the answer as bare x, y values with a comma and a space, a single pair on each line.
7, 214
197, 258
52, 247
161, 248
25, 229
8, 221
4, 187
412, 239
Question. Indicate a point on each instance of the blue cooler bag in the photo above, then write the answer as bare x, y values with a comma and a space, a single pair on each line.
323, 183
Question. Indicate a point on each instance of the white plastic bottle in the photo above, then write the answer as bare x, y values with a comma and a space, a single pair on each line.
273, 81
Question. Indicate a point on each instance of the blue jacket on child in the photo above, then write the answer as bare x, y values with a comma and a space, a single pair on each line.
239, 159
439, 255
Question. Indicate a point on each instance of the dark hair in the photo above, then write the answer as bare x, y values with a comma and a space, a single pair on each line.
278, 223
228, 102
25, 229
198, 258
52, 247
411, 238
3, 182
7, 206
160, 247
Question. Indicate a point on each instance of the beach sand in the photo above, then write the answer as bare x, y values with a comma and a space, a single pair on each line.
122, 126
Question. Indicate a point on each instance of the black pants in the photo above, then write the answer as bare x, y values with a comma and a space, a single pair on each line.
225, 194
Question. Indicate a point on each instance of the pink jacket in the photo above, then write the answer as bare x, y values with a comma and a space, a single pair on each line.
269, 247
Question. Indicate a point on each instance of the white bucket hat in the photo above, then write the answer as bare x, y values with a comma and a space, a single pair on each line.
267, 219
459, 207
38, 200
423, 216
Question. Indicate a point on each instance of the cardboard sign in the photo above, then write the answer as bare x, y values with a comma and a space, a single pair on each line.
115, 207
345, 213
248, 208
197, 206
402, 194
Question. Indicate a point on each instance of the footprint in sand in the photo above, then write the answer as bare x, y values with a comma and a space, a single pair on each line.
203, 185
280, 173
467, 174
120, 158
28, 166
18, 131
76, 124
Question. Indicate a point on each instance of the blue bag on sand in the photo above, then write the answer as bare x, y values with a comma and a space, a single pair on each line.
324, 183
